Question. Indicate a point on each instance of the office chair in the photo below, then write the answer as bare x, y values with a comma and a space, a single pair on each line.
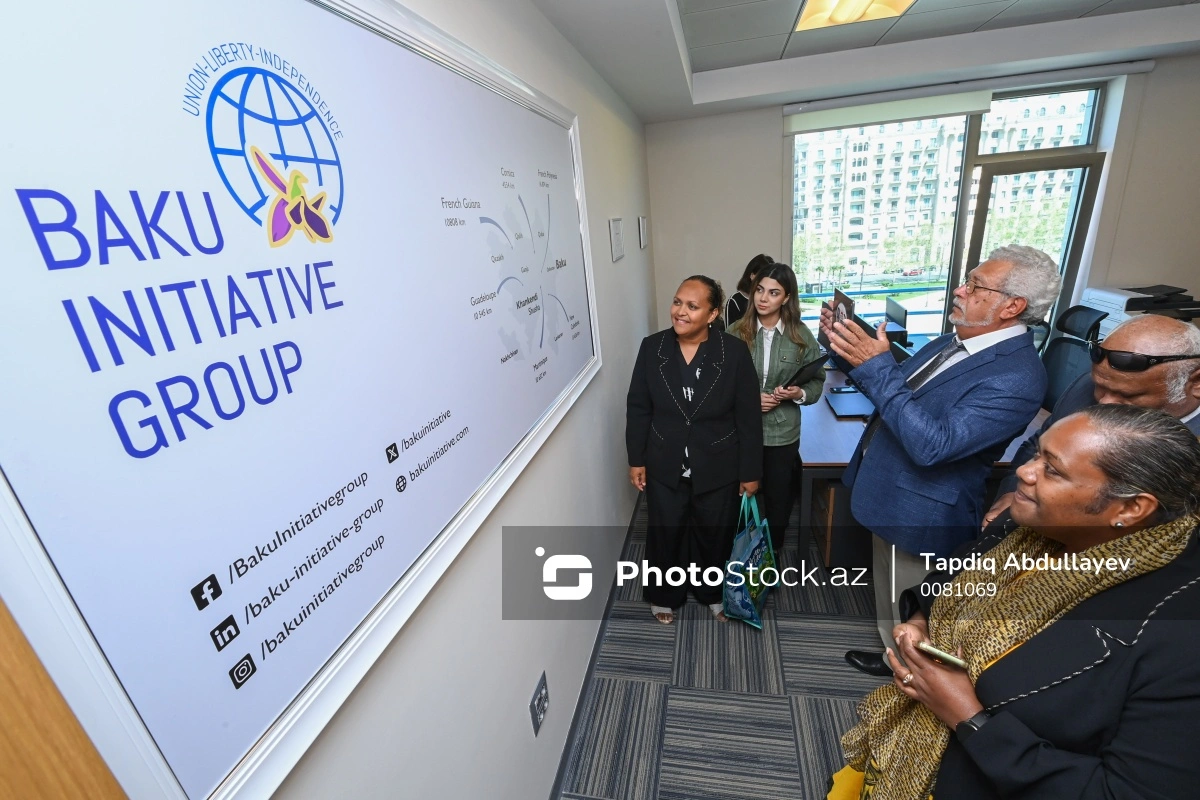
1066, 355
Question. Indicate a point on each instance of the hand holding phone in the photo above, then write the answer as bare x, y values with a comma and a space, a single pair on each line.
944, 657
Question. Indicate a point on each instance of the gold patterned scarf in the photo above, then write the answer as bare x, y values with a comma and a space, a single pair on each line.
904, 737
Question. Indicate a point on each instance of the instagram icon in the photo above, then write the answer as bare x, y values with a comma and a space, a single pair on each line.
242, 671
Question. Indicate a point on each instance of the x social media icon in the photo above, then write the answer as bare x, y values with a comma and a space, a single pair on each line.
393, 452
550, 571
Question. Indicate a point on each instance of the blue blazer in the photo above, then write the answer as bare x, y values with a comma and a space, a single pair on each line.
921, 484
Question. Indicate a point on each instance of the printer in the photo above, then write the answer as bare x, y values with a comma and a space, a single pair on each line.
1121, 304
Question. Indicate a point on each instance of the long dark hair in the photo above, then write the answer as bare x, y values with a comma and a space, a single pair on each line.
716, 295
753, 268
789, 312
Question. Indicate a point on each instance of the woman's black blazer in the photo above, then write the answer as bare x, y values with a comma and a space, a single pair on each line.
1102, 704
723, 428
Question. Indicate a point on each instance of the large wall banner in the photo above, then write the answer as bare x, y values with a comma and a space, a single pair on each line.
279, 296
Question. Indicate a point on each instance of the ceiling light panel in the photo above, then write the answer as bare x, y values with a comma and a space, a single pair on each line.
831, 13
839, 37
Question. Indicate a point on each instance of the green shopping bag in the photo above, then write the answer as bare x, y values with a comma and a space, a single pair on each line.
745, 592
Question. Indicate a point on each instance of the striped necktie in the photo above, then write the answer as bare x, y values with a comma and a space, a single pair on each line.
952, 348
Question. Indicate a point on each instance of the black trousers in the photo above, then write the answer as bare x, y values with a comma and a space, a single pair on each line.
781, 470
683, 528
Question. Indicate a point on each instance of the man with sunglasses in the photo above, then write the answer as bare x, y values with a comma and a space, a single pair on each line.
918, 477
1148, 361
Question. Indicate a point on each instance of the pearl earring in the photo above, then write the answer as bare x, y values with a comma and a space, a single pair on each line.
1118, 524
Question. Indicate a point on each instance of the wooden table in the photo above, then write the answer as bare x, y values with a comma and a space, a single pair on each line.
827, 444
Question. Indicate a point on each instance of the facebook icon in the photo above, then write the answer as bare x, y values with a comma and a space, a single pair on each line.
206, 591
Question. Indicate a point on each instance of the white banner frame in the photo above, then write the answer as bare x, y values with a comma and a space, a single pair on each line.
42, 605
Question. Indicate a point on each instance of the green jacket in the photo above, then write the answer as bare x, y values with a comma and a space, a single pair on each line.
781, 425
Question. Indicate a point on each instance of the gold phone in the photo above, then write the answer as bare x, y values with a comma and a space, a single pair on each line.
941, 656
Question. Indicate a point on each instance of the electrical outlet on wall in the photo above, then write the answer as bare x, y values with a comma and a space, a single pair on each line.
539, 704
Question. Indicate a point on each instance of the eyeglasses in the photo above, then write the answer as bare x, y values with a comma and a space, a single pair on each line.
1125, 361
971, 286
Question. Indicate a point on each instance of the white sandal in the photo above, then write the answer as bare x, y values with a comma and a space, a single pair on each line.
660, 612
718, 612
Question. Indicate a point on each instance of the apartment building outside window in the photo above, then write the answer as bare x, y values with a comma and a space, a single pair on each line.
1043, 179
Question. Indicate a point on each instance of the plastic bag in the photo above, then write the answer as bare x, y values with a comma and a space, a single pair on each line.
745, 592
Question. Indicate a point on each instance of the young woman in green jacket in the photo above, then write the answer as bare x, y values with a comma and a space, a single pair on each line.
780, 344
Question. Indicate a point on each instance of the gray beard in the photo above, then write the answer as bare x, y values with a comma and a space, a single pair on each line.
983, 323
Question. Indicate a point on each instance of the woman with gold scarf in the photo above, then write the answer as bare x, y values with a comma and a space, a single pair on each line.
1080, 631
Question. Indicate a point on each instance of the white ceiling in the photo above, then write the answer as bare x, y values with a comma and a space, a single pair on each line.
671, 59
731, 33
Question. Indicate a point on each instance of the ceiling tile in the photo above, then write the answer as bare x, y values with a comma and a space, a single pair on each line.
736, 54
1032, 12
747, 21
922, 6
1120, 6
692, 6
942, 23
839, 37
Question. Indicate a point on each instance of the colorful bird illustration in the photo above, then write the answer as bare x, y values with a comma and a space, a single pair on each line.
291, 209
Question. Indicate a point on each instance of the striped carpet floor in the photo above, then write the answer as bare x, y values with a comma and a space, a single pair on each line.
700, 710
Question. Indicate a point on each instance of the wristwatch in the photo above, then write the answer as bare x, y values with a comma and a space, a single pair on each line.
964, 729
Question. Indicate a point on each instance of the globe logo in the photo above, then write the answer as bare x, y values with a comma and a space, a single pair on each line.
267, 141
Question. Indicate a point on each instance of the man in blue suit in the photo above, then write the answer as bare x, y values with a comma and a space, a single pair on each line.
942, 419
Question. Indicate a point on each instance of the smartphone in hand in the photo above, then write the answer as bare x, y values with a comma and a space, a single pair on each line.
944, 657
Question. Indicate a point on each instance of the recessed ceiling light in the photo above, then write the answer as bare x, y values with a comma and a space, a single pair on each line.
827, 13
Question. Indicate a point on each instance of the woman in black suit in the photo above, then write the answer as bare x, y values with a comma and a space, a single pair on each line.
694, 435
1083, 668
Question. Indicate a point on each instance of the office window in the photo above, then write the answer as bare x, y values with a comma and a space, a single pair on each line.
997, 120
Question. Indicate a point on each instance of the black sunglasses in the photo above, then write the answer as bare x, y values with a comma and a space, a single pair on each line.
1125, 361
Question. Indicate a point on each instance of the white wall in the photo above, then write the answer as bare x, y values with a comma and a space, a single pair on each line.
1148, 231
443, 713
716, 188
